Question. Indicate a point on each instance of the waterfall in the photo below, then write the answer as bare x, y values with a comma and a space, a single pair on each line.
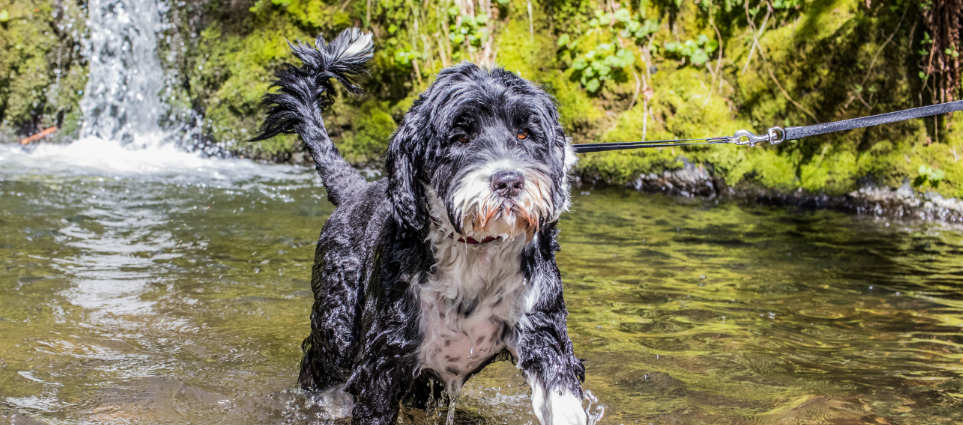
125, 130
121, 101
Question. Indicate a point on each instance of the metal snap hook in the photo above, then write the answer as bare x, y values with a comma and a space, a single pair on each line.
753, 138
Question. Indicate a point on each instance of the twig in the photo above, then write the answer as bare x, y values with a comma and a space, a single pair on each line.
531, 23
638, 85
427, 50
709, 67
645, 115
755, 41
344, 5
787, 95
38, 136
441, 51
873, 62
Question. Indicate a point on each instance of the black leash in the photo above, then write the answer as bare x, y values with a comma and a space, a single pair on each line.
777, 135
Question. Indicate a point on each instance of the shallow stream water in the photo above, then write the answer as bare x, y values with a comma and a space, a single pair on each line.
166, 288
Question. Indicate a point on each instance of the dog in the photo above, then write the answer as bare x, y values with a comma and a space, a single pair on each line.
448, 263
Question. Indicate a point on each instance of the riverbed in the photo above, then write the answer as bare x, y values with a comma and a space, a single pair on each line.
169, 288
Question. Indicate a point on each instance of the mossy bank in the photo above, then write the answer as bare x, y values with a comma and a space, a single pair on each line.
651, 69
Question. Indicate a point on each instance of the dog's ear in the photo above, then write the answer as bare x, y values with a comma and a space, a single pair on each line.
405, 189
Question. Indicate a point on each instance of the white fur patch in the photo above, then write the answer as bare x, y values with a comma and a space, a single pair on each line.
472, 294
360, 45
555, 407
483, 213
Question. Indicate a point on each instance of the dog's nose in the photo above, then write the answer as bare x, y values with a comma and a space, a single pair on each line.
507, 183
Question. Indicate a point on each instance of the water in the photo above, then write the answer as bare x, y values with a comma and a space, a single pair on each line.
143, 284
182, 296
121, 100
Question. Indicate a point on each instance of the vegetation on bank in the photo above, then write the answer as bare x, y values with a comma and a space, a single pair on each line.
646, 69
42, 70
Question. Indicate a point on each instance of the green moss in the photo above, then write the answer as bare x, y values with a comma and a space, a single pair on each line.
825, 61
40, 71
371, 126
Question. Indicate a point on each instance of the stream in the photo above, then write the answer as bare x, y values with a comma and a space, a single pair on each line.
155, 286
140, 283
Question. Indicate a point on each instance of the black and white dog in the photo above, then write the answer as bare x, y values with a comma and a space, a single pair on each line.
429, 274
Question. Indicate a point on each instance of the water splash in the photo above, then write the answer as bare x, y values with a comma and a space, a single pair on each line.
121, 100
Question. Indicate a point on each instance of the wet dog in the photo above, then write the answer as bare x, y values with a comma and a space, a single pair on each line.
428, 275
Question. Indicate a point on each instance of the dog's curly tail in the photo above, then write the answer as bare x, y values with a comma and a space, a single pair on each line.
303, 92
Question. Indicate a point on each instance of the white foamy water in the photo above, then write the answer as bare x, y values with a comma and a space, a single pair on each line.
121, 136
107, 158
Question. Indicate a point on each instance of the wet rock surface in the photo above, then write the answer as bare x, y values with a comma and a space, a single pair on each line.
903, 203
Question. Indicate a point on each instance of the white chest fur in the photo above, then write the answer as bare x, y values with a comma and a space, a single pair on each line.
474, 294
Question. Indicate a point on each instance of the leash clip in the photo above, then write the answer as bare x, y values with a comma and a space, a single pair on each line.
774, 136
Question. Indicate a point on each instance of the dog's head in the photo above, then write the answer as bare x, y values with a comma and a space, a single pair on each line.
489, 147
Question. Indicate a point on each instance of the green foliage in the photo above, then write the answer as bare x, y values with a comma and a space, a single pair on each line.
696, 51
608, 59
786, 4
612, 71
468, 28
600, 65
367, 137
41, 74
929, 175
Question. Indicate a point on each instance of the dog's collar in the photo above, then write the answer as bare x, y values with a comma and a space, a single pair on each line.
466, 239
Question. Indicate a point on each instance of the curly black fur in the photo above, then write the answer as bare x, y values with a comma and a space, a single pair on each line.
373, 256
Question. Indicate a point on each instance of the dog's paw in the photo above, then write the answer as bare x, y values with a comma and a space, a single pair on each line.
593, 416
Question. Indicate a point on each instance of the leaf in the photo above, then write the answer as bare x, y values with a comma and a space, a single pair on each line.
623, 15
481, 19
711, 46
936, 175
672, 46
702, 39
604, 70
4, 16
923, 170
651, 26
563, 40
625, 57
579, 64
922, 75
392, 29
699, 57
504, 2
593, 85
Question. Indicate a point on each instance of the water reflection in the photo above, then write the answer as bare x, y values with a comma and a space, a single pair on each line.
184, 298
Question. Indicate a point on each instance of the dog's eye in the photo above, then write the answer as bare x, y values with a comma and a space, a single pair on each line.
462, 138
522, 134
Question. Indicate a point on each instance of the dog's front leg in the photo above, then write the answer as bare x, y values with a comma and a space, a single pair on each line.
551, 370
386, 370
545, 354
